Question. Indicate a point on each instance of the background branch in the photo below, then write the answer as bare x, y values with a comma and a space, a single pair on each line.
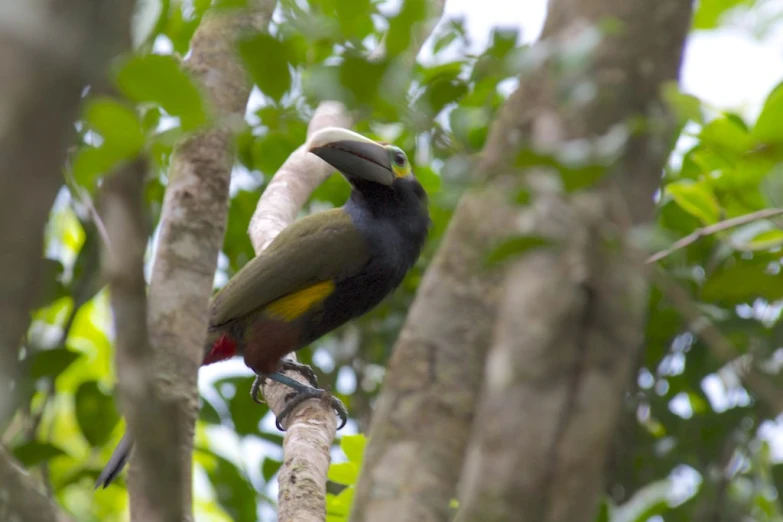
714, 229
46, 58
20, 496
191, 234
123, 214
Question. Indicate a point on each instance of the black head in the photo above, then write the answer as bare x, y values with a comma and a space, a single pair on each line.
378, 172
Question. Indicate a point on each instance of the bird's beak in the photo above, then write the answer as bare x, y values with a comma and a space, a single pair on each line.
355, 156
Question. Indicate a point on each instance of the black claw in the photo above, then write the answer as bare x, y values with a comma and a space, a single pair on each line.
305, 370
297, 398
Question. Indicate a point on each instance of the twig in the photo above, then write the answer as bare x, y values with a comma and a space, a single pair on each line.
761, 384
713, 229
20, 496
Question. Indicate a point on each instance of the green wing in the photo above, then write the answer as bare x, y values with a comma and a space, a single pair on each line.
321, 247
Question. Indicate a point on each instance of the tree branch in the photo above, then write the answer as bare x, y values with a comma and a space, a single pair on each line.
47, 56
122, 205
191, 234
571, 318
714, 229
310, 428
20, 496
45, 61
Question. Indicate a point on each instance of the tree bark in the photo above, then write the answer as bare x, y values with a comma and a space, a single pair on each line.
571, 317
192, 227
20, 496
47, 55
122, 205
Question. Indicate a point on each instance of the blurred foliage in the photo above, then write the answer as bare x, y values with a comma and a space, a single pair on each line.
696, 445
346, 474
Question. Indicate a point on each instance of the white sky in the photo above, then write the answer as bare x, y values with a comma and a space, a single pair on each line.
727, 68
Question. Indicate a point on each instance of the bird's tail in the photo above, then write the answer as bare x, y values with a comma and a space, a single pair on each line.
216, 348
116, 462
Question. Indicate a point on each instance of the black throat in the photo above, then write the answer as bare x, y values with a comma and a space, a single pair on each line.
393, 216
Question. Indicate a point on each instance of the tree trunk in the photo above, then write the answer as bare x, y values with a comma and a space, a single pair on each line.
571, 319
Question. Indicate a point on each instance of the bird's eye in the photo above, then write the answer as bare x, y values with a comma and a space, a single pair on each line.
399, 158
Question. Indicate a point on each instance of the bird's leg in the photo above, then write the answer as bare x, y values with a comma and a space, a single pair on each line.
285, 364
301, 393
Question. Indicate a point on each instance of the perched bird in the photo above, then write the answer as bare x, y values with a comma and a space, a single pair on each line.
318, 273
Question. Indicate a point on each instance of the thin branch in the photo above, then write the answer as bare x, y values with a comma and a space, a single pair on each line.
310, 428
191, 233
714, 229
123, 212
20, 496
761, 384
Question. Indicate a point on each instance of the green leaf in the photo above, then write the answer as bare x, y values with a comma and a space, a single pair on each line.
159, 79
338, 507
470, 125
96, 413
35, 452
51, 363
123, 139
766, 240
743, 282
727, 133
355, 18
207, 413
353, 447
696, 199
51, 286
245, 414
236, 243
344, 473
574, 175
362, 78
401, 27
90, 163
685, 106
768, 128
603, 512
266, 58
117, 123
234, 492
710, 12
269, 467
645, 503
514, 247
147, 20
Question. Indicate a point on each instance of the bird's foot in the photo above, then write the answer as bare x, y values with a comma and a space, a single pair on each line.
285, 365
302, 392
305, 370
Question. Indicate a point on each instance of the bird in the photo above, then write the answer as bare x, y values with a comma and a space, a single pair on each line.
320, 272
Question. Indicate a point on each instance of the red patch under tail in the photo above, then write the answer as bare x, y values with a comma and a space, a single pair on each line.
224, 348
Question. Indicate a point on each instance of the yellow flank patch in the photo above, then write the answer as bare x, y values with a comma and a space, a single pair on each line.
294, 305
